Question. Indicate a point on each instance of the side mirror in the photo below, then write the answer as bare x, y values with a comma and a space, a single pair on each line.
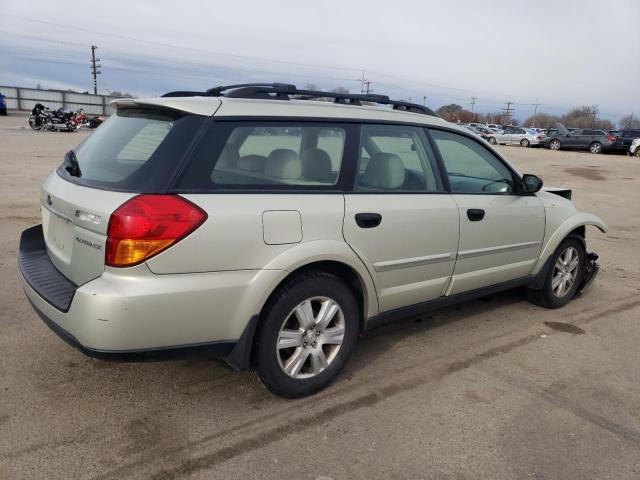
531, 183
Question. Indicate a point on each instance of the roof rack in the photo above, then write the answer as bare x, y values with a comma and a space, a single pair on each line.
285, 91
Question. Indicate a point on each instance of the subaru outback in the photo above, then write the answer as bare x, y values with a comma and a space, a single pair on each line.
266, 227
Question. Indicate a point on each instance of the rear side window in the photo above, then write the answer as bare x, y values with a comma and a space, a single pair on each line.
269, 155
135, 150
472, 168
396, 158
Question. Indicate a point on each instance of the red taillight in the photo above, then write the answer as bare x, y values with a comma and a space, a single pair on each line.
540, 137
611, 138
148, 224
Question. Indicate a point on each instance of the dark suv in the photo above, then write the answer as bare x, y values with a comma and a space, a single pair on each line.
596, 141
624, 139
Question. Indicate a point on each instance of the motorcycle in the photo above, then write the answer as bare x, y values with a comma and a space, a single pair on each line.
42, 118
39, 117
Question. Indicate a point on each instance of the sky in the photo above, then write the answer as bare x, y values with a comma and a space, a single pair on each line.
559, 54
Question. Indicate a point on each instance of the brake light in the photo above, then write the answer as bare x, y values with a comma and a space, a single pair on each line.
611, 138
148, 224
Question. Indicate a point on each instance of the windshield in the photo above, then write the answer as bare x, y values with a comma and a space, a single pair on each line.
134, 150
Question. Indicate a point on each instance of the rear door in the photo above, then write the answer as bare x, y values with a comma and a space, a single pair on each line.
517, 135
399, 220
501, 231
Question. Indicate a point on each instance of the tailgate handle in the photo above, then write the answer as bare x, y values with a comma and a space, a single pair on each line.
368, 220
475, 214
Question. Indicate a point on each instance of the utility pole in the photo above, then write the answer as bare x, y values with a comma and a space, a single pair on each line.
507, 112
424, 101
94, 69
473, 102
535, 111
365, 85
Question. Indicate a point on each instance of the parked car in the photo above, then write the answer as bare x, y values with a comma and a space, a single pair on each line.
3, 105
496, 127
624, 138
273, 232
517, 136
596, 141
634, 149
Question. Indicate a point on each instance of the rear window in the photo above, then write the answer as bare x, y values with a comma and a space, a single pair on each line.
270, 155
135, 150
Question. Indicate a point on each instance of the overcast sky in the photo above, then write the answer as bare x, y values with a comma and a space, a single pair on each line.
564, 53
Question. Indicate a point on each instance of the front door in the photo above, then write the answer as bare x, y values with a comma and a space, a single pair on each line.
399, 220
501, 231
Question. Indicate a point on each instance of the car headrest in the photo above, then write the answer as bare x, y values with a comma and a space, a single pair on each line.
252, 163
384, 171
229, 156
283, 164
316, 165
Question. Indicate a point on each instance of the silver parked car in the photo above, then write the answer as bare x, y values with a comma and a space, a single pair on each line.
525, 137
255, 224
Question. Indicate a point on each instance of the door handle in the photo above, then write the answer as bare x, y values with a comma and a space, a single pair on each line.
368, 220
475, 214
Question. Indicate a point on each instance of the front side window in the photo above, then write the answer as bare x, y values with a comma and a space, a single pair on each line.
396, 158
268, 155
471, 168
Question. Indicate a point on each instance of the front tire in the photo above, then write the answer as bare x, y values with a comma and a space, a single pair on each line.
524, 143
492, 140
308, 330
564, 275
595, 147
637, 152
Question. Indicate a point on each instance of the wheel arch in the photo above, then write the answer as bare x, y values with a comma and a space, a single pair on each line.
574, 225
337, 260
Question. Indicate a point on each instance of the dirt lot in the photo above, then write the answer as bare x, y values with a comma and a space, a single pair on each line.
495, 388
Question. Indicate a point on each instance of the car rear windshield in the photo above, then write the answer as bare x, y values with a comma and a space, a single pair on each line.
135, 150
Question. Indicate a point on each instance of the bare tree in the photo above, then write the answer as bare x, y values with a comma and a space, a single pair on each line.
629, 122
449, 112
543, 120
585, 117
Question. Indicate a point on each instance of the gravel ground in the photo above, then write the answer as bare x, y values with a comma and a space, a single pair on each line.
495, 388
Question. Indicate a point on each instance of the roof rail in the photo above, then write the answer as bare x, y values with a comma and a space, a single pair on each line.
285, 91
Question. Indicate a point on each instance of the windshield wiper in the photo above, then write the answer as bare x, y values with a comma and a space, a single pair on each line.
73, 167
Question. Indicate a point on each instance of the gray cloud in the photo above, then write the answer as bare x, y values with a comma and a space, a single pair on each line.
564, 53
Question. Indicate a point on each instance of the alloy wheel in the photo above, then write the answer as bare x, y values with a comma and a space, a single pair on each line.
596, 148
555, 145
565, 272
310, 337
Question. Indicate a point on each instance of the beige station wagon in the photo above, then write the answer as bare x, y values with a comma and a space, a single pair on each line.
271, 226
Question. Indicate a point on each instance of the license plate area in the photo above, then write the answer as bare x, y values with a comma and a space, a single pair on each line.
58, 235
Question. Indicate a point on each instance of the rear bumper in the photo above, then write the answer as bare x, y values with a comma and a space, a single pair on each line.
133, 314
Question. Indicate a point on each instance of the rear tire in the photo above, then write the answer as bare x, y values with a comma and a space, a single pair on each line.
637, 152
595, 147
298, 352
524, 143
564, 275
555, 145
